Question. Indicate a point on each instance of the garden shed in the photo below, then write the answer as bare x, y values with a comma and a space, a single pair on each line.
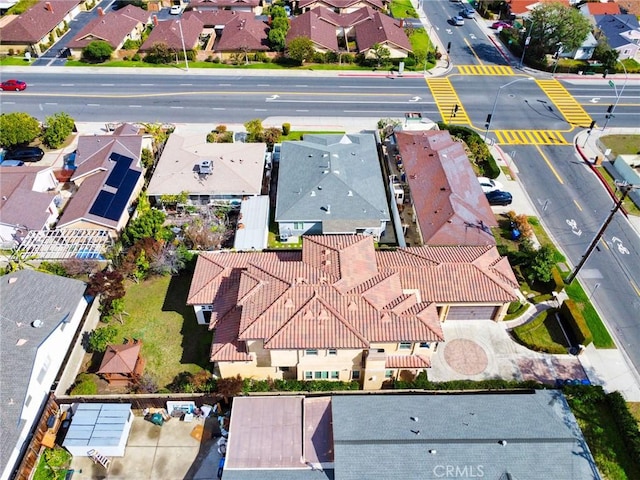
101, 427
122, 364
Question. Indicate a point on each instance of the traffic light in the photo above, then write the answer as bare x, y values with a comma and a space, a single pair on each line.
604, 74
593, 124
449, 47
610, 109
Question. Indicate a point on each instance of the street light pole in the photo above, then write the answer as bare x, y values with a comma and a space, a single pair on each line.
184, 50
625, 188
618, 95
495, 104
526, 43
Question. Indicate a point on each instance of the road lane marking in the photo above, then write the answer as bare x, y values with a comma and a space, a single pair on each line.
568, 106
446, 100
93, 104
635, 287
135, 106
553, 170
577, 205
473, 51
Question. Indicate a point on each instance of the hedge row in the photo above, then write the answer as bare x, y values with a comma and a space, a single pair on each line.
271, 385
575, 320
627, 424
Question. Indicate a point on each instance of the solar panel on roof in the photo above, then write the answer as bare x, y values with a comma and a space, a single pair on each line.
121, 199
102, 204
119, 171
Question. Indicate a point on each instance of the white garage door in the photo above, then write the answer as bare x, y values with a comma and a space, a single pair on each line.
473, 312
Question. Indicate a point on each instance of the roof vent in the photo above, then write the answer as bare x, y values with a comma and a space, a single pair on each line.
415, 419
503, 443
205, 167
13, 280
433, 451
350, 194
37, 323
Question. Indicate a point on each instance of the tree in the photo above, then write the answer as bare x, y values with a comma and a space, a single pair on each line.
540, 265
605, 54
254, 130
380, 53
159, 53
301, 49
97, 51
280, 23
109, 285
56, 129
147, 158
100, 338
147, 225
277, 39
272, 135
18, 128
553, 24
278, 11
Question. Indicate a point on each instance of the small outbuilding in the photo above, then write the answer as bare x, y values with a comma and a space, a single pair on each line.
99, 427
122, 364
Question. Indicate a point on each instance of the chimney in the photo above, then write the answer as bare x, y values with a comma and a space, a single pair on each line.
48, 6
155, 20
100, 12
401, 22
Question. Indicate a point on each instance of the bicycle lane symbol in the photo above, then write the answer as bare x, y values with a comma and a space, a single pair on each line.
621, 248
574, 226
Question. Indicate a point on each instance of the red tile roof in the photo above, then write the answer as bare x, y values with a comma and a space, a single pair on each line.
630, 6
597, 8
523, 7
168, 32
36, 22
340, 293
243, 33
448, 200
407, 361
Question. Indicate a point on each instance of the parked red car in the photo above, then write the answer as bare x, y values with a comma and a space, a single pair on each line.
15, 85
501, 24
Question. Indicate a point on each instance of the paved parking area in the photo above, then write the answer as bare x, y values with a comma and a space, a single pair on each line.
168, 452
481, 350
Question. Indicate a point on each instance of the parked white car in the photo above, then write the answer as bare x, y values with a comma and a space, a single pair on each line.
489, 185
175, 10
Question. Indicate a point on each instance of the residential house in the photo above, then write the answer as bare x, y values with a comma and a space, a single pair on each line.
522, 8
622, 33
243, 31
340, 6
446, 198
365, 26
631, 7
108, 178
331, 184
584, 51
174, 34
122, 365
208, 172
380, 436
29, 201
39, 316
36, 29
113, 27
249, 6
339, 309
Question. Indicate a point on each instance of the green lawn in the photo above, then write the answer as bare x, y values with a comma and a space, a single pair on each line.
601, 337
402, 9
622, 144
542, 334
173, 342
13, 61
298, 134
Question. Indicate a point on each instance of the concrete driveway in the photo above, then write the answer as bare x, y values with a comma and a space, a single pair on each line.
482, 350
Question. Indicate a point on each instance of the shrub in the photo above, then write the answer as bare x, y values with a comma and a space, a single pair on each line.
286, 128
261, 57
100, 338
97, 51
522, 223
136, 57
626, 423
85, 384
17, 128
221, 128
574, 319
57, 128
56, 268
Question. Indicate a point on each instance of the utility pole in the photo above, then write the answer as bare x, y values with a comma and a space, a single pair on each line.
625, 188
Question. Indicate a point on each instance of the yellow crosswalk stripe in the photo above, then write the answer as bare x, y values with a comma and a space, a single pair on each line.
485, 70
446, 99
565, 103
529, 137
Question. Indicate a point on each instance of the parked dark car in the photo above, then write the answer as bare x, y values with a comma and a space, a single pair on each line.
499, 197
13, 85
26, 154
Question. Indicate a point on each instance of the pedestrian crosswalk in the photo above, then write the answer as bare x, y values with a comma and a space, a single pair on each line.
565, 103
529, 137
447, 101
485, 70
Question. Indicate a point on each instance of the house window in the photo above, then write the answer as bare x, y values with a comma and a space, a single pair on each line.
388, 373
298, 225
332, 351
321, 375
308, 375
355, 375
335, 375
425, 345
311, 351
405, 346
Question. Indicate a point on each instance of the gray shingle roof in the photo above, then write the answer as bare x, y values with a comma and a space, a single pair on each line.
26, 296
339, 173
614, 25
375, 435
